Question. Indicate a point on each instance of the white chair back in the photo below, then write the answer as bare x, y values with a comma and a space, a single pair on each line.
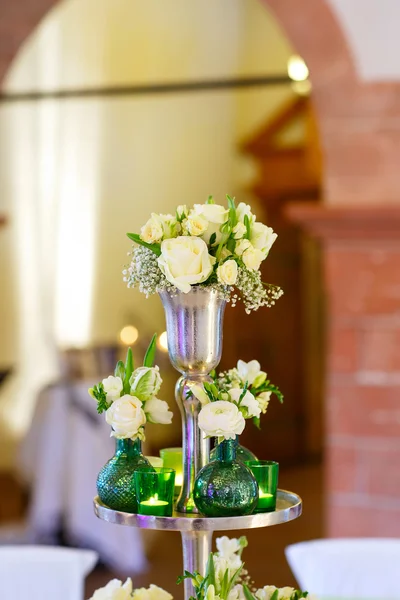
364, 568
43, 572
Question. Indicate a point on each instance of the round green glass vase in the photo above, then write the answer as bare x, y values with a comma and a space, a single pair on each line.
243, 454
225, 487
115, 483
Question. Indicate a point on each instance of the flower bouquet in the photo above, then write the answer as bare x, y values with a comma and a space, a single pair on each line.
129, 400
209, 245
129, 397
225, 579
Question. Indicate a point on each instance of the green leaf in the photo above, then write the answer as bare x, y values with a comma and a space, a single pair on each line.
247, 224
209, 390
97, 392
210, 200
247, 593
257, 422
231, 245
150, 352
119, 370
210, 570
128, 371
213, 237
224, 585
138, 240
275, 595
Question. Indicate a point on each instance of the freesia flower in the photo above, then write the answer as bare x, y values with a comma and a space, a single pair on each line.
248, 402
243, 210
145, 382
227, 546
221, 419
185, 261
126, 417
248, 371
157, 411
113, 387
263, 400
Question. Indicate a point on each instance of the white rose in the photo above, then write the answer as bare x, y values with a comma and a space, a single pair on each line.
262, 237
152, 232
248, 371
239, 231
227, 272
242, 210
126, 417
152, 593
157, 411
216, 216
263, 401
145, 382
199, 393
241, 247
252, 258
113, 387
114, 590
185, 261
248, 402
221, 419
196, 224
227, 546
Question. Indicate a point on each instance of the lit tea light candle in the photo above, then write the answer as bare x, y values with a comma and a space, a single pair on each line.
155, 507
266, 502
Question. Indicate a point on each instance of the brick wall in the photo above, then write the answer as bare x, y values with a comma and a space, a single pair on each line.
361, 249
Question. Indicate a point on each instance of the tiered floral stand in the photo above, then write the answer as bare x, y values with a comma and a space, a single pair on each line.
194, 328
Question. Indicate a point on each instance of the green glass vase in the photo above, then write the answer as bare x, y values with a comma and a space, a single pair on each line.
115, 483
225, 487
243, 454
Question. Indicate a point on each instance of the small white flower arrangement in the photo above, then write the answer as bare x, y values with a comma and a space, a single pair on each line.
209, 245
116, 590
225, 579
241, 393
129, 397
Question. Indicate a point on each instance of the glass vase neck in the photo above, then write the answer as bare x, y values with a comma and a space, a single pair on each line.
226, 450
128, 447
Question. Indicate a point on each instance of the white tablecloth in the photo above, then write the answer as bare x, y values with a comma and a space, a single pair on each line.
64, 450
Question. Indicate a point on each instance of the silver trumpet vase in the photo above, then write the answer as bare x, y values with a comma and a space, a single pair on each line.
194, 331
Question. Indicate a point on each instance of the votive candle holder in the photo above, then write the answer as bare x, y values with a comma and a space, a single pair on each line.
172, 458
266, 474
154, 488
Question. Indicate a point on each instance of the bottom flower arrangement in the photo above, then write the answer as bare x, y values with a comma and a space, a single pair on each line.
225, 579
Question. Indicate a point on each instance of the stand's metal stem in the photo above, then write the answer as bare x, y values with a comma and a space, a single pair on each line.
196, 449
196, 547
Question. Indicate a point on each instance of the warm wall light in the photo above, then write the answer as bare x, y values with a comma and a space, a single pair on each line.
129, 335
297, 68
163, 341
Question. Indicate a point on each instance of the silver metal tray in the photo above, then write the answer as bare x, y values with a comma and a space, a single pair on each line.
288, 507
